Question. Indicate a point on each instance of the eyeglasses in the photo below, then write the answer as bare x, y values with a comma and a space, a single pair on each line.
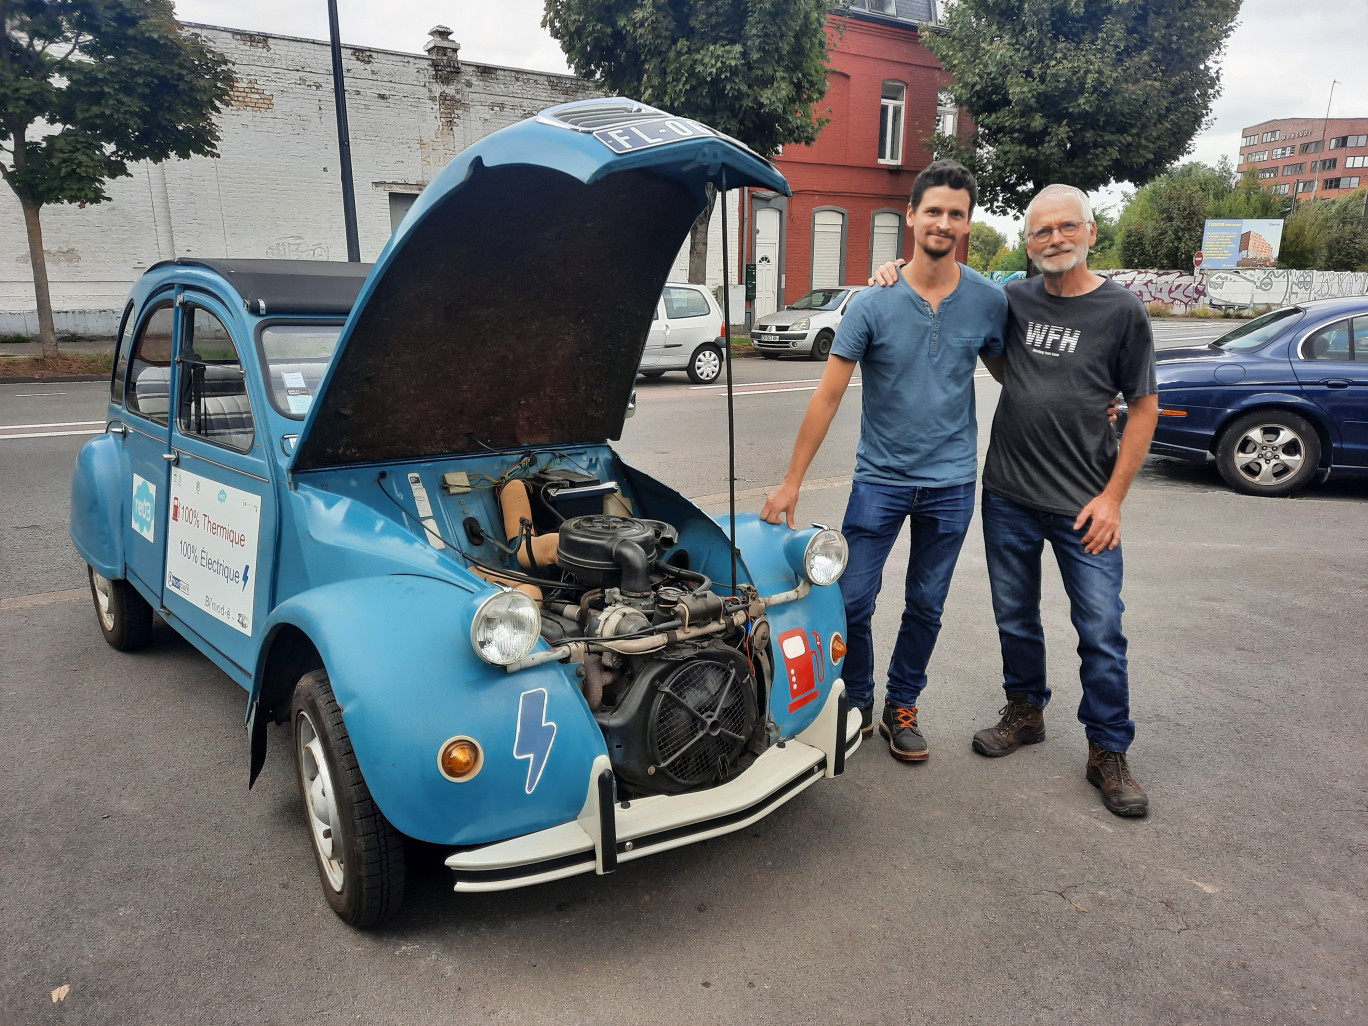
1068, 229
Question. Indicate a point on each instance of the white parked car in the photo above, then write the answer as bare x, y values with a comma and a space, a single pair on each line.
686, 334
807, 328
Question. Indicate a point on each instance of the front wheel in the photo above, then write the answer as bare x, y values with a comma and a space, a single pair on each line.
124, 616
821, 346
1269, 452
705, 365
360, 855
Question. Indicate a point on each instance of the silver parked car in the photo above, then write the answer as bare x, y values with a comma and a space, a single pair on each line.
686, 334
806, 328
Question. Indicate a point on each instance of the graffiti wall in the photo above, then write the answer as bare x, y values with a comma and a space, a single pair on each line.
1241, 288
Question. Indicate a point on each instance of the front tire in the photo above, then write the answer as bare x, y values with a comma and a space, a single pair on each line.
821, 346
124, 616
360, 856
705, 366
652, 375
1269, 452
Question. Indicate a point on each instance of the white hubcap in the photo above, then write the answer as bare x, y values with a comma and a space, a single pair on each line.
319, 802
707, 365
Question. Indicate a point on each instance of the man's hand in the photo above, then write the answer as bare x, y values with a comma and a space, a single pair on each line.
1105, 530
887, 274
1113, 408
781, 504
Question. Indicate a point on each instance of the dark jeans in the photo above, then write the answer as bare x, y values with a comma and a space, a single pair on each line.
939, 520
1014, 537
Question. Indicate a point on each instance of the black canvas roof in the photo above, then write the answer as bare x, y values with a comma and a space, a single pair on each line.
288, 286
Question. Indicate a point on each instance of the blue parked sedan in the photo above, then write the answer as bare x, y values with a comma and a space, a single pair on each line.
401, 528
1276, 401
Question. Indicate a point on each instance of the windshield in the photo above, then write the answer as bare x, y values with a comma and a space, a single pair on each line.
821, 299
1259, 331
295, 357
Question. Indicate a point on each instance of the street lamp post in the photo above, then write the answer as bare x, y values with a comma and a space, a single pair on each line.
343, 139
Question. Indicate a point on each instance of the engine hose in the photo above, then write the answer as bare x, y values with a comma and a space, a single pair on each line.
703, 580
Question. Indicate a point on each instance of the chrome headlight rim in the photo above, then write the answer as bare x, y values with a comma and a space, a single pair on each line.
503, 603
821, 539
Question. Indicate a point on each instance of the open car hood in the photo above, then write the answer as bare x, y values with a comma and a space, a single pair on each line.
510, 307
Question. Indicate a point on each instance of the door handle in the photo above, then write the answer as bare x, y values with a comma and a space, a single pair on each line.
1335, 382
171, 457
118, 429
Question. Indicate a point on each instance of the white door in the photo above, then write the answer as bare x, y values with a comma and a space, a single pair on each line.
828, 226
766, 262
887, 228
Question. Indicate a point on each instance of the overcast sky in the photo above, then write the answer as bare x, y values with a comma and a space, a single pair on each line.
1280, 61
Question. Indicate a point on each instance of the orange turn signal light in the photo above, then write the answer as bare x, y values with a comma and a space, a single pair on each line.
1173, 413
838, 648
460, 759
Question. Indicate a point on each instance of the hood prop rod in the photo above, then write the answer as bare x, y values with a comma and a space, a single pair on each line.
731, 395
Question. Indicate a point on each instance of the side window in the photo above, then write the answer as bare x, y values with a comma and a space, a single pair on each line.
1361, 338
685, 303
121, 347
149, 382
892, 107
213, 402
1329, 343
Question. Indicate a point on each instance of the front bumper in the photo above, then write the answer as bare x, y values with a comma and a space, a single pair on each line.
607, 832
782, 341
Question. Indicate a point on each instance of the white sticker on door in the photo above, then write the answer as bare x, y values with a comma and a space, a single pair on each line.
145, 508
211, 547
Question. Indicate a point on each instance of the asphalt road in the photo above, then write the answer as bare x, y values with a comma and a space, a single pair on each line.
137, 870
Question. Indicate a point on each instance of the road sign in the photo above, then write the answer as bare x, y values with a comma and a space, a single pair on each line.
1197, 259
750, 281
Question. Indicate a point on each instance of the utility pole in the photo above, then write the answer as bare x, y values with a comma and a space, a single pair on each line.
343, 139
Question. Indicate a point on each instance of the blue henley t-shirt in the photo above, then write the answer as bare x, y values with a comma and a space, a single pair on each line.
917, 423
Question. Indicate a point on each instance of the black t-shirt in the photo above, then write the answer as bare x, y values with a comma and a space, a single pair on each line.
1052, 448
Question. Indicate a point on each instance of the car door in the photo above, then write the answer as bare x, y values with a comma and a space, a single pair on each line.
691, 320
1332, 367
145, 418
655, 338
221, 529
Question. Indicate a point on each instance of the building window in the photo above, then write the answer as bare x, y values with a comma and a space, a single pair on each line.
1283, 151
886, 239
1306, 186
1356, 161
1312, 147
888, 7
1348, 140
1342, 183
1279, 190
1325, 164
1295, 169
828, 248
1250, 140
1269, 172
891, 109
1272, 136
1254, 158
947, 113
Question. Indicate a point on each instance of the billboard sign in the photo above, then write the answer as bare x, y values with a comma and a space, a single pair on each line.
1252, 242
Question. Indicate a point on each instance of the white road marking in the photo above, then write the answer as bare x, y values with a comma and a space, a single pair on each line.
54, 424
34, 395
54, 430
51, 598
49, 434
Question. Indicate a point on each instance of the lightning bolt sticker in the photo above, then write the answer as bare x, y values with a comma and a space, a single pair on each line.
535, 735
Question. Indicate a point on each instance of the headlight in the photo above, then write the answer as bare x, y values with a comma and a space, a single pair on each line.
802, 325
825, 558
505, 627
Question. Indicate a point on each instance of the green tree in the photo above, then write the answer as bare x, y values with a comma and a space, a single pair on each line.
1010, 260
1327, 235
87, 87
1105, 252
1084, 92
984, 243
754, 69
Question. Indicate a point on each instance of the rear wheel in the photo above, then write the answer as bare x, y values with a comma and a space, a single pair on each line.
360, 856
705, 365
652, 375
821, 346
124, 616
1269, 452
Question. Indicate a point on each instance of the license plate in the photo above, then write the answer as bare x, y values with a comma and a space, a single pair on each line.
767, 338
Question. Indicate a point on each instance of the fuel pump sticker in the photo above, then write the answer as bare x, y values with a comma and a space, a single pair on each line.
211, 547
798, 664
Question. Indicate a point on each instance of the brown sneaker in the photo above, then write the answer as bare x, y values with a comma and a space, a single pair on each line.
905, 741
1121, 793
1021, 724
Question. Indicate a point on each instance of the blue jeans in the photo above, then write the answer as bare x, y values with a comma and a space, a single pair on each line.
1014, 537
939, 521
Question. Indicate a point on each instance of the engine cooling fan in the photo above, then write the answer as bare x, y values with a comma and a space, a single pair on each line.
701, 717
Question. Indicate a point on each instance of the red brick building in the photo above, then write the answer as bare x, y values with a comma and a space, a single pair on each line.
847, 214
1310, 158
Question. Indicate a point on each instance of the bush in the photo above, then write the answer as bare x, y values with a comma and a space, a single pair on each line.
1157, 309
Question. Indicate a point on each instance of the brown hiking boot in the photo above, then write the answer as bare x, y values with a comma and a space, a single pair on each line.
1021, 724
905, 741
1121, 793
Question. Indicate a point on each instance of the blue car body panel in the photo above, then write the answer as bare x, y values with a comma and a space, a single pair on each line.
349, 573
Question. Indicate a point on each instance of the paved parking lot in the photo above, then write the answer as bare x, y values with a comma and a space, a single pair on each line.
139, 871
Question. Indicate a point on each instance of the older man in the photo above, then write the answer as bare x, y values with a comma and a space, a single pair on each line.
1054, 474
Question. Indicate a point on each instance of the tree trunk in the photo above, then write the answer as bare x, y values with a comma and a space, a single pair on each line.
47, 334
698, 242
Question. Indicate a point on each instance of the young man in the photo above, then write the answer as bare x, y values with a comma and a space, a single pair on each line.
1053, 473
917, 344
